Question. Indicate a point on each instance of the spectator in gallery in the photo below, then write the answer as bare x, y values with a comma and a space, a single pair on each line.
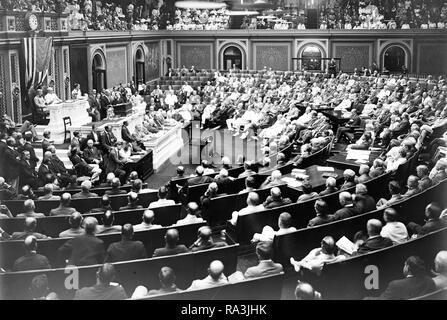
105, 288
172, 247
86, 249
127, 249
147, 222
215, 277
31, 260
416, 282
192, 215
76, 229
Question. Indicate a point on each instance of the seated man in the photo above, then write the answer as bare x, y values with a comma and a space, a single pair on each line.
40, 290
5, 213
349, 177
115, 190
30, 230
362, 200
31, 260
64, 208
104, 289
416, 282
82, 167
273, 181
266, 266
424, 179
250, 183
215, 277
205, 240
29, 210
374, 241
48, 193
412, 187
192, 215
322, 211
172, 247
348, 208
284, 225
393, 229
396, 196
363, 174
85, 191
76, 229
331, 187
305, 291
126, 249
253, 205
86, 249
108, 218
275, 199
167, 282
132, 199
51, 97
307, 193
433, 221
440, 279
318, 257
162, 201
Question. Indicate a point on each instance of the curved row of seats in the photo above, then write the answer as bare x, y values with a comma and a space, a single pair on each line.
130, 274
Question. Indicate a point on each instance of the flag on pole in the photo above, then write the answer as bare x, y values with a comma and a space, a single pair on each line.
37, 53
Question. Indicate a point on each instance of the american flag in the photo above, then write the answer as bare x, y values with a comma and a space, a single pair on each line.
37, 53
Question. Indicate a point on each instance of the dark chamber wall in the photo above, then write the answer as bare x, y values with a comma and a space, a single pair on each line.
275, 56
152, 61
197, 55
432, 58
79, 68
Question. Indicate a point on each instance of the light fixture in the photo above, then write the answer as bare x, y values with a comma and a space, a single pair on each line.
199, 5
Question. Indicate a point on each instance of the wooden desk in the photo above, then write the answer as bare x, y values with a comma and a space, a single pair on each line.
143, 166
339, 161
316, 179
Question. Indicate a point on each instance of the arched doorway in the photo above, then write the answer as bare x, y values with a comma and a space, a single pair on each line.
311, 58
139, 67
98, 72
232, 56
394, 59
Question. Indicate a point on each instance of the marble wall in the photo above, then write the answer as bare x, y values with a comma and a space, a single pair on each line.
195, 54
272, 55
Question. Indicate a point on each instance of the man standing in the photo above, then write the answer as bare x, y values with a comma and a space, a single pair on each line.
12, 164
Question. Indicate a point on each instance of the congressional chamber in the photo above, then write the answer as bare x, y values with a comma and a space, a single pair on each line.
223, 150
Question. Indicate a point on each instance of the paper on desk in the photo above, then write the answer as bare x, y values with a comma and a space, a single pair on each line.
358, 155
292, 182
346, 245
331, 169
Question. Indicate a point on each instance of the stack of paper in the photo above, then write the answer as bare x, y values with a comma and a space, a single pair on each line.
358, 155
346, 245
326, 169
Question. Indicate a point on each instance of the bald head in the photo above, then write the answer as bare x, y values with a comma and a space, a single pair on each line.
441, 262
29, 205
132, 197
65, 199
345, 198
253, 199
148, 216
275, 193
193, 208
200, 170
331, 182
30, 243
361, 189
172, 237
304, 291
216, 269
127, 231
116, 183
205, 233
373, 226
86, 186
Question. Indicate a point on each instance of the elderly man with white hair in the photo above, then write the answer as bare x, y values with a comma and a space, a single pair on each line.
51, 97
85, 191
350, 179
273, 181
440, 279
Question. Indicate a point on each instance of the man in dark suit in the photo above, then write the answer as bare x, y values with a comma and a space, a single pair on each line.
223, 181
132, 199
91, 154
45, 173
85, 191
107, 139
125, 132
28, 147
30, 230
348, 208
199, 178
86, 249
266, 266
126, 249
94, 136
363, 201
205, 240
105, 101
46, 142
11, 164
432, 221
416, 282
28, 176
64, 208
115, 190
375, 241
275, 199
31, 260
113, 164
103, 289
172, 247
